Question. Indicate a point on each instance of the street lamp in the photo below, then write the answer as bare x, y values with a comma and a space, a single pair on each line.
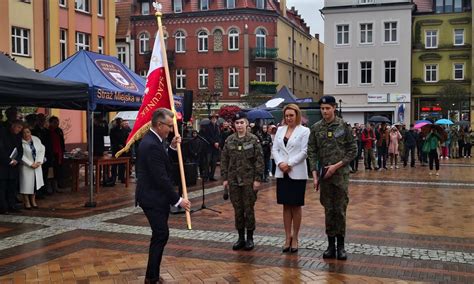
211, 99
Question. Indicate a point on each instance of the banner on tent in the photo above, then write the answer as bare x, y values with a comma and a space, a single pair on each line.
119, 97
116, 74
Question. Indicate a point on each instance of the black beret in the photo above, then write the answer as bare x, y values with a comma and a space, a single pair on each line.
327, 100
239, 115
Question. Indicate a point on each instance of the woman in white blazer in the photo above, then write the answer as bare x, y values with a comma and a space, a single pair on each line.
289, 152
31, 174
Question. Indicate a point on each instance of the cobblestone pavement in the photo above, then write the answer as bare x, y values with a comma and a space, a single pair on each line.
403, 225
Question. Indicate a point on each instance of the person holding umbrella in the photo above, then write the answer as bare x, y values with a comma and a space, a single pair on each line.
430, 146
383, 139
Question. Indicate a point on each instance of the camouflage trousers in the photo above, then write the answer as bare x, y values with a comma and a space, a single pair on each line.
334, 198
243, 199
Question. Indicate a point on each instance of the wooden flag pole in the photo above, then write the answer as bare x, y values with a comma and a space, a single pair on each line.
158, 15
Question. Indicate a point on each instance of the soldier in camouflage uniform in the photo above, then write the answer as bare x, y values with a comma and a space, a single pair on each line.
332, 147
242, 169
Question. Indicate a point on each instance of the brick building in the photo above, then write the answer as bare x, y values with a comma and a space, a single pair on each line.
216, 48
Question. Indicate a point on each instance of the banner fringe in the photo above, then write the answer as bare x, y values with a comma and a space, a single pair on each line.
137, 136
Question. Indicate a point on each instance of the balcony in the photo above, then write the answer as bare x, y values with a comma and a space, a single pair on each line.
268, 88
264, 54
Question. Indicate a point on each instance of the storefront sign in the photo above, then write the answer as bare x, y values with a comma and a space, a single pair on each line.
116, 75
399, 98
377, 98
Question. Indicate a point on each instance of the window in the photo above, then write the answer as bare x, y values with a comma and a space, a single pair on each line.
261, 39
458, 6
204, 5
260, 4
63, 44
431, 39
307, 56
439, 6
178, 6
230, 4
100, 8
343, 73
390, 32
390, 68
202, 41
143, 41
458, 36
122, 54
431, 73
82, 41
62, 3
82, 5
20, 41
233, 39
366, 2
145, 8
301, 53
366, 33
203, 78
101, 45
366, 72
458, 71
233, 78
307, 82
261, 74
289, 48
301, 81
313, 58
342, 34
448, 6
290, 79
180, 79
180, 42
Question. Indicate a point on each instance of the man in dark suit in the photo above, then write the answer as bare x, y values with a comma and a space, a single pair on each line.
11, 152
155, 192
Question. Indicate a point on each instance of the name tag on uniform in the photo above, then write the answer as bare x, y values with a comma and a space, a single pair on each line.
248, 146
239, 148
329, 134
339, 133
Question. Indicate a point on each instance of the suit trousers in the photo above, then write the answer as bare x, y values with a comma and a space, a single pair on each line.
158, 219
8, 191
409, 151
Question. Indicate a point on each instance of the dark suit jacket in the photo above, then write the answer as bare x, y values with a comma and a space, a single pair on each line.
8, 142
154, 173
212, 135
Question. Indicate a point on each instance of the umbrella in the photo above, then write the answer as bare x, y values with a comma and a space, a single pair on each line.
259, 114
274, 102
462, 123
205, 121
379, 118
426, 129
444, 121
421, 124
424, 120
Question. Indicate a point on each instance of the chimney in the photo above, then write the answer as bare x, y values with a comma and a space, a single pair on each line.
316, 36
283, 7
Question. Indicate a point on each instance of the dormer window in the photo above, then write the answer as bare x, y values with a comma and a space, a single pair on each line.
145, 8
204, 5
178, 6
260, 4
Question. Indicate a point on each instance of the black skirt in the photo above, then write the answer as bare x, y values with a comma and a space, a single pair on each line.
290, 191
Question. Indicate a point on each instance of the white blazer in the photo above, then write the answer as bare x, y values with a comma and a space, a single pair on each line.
30, 177
294, 153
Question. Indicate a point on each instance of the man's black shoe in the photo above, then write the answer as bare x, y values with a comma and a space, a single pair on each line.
240, 243
341, 252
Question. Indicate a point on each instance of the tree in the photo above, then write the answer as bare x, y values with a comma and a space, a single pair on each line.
254, 99
227, 112
452, 97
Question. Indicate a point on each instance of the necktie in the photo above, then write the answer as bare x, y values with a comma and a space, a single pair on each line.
165, 145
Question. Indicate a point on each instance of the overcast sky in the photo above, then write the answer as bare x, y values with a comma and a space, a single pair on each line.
309, 10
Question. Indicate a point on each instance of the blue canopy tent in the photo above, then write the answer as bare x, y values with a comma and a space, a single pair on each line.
112, 87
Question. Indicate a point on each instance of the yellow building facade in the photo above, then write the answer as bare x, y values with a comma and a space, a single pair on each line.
300, 56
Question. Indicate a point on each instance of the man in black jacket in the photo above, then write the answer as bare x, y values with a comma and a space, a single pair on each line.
118, 139
11, 152
155, 192
212, 134
410, 139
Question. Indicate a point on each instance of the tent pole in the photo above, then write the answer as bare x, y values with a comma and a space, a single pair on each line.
90, 149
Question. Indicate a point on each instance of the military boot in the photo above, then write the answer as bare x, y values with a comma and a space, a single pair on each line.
341, 252
331, 251
249, 245
240, 243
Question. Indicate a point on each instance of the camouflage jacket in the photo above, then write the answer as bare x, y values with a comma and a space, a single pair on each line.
242, 160
330, 143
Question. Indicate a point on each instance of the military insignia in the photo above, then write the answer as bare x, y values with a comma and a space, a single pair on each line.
339, 133
239, 148
323, 100
329, 134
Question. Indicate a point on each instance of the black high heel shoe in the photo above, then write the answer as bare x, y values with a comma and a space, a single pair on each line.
292, 249
287, 249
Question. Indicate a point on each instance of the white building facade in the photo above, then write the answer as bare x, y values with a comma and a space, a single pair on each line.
367, 63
